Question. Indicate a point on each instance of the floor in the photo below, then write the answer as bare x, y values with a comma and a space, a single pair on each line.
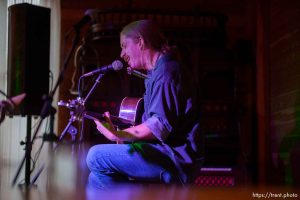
64, 177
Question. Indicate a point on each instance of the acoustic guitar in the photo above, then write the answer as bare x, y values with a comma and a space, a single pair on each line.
132, 109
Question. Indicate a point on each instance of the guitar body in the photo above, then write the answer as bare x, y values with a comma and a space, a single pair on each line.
132, 109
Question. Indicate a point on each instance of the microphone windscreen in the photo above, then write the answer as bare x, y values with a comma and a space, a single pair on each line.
117, 65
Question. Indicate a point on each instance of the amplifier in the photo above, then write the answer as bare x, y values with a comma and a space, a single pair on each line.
212, 176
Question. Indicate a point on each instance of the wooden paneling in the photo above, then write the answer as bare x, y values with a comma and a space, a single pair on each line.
284, 84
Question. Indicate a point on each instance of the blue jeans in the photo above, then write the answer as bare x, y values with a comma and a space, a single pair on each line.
112, 164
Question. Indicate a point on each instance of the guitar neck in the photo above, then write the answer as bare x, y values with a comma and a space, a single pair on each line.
130, 113
115, 120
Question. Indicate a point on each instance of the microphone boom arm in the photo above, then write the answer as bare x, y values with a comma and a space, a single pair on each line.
92, 89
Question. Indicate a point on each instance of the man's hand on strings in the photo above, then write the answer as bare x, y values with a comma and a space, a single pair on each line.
107, 128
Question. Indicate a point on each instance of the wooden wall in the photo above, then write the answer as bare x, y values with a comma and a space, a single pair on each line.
284, 48
277, 92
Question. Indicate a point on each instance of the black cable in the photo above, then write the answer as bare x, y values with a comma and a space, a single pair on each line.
37, 155
3, 93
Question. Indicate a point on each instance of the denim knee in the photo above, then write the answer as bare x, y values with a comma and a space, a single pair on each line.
91, 157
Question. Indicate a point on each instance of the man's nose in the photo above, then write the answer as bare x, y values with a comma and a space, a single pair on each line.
122, 54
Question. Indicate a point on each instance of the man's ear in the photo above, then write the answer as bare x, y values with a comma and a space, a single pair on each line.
141, 43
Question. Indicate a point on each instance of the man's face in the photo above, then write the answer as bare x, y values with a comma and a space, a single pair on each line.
131, 52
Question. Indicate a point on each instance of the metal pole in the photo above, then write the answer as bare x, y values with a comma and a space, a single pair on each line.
28, 147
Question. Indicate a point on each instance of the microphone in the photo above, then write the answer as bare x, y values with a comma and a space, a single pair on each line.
114, 66
88, 16
131, 71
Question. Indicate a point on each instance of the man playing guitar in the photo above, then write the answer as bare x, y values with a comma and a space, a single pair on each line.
168, 139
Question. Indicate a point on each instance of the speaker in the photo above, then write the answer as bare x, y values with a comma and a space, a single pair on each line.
28, 55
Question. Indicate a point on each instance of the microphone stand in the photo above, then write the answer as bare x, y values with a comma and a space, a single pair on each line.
44, 113
81, 109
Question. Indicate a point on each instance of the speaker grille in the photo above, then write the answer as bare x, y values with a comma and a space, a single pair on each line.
212, 176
